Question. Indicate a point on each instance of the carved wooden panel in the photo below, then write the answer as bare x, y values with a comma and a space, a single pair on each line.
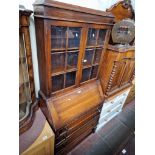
122, 10
128, 72
116, 74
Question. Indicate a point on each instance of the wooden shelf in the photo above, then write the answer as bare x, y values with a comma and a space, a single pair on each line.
62, 50
58, 73
87, 66
72, 50
71, 70
96, 46
63, 72
96, 64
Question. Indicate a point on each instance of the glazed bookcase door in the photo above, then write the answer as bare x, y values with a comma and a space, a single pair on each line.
65, 49
24, 83
92, 53
128, 73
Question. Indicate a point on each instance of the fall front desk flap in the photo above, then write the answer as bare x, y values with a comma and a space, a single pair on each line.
65, 108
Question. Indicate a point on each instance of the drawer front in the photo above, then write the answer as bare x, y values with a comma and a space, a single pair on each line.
90, 125
83, 122
109, 115
73, 125
109, 103
70, 138
111, 106
119, 100
69, 147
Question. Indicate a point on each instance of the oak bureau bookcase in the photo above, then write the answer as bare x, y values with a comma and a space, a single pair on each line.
71, 41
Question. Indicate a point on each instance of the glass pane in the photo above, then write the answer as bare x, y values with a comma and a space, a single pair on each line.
101, 37
22, 110
88, 57
24, 84
92, 36
94, 72
58, 62
70, 79
24, 90
74, 37
57, 82
72, 59
97, 56
58, 37
85, 74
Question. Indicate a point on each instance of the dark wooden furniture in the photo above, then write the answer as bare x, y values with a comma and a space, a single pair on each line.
27, 98
71, 41
118, 67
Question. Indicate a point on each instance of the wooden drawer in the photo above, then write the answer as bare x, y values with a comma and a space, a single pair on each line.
73, 125
90, 125
67, 147
70, 138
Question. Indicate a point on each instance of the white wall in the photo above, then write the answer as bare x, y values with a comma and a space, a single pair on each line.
94, 4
